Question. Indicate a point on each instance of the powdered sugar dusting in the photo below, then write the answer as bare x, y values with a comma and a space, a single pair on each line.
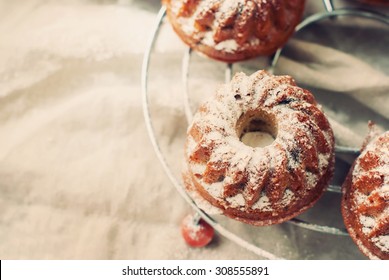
371, 208
323, 161
360, 198
287, 198
236, 201
215, 189
239, 166
382, 242
198, 169
225, 25
367, 223
229, 45
311, 179
193, 228
263, 204
385, 189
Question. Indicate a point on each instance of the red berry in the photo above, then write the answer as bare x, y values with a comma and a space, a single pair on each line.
196, 234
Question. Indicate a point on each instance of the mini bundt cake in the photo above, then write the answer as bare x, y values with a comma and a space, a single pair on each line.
365, 202
233, 30
259, 185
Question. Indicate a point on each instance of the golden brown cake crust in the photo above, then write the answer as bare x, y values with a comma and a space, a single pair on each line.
234, 30
259, 185
365, 202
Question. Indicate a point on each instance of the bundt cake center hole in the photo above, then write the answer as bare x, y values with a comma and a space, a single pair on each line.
257, 129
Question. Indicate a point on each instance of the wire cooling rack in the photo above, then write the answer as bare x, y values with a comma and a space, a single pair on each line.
330, 12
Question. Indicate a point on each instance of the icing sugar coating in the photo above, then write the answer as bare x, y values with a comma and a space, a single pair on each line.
365, 204
260, 185
233, 30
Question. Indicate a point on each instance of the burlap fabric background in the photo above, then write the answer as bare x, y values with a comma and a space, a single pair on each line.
78, 176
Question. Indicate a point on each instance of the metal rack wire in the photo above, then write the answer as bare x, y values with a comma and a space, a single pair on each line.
331, 12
